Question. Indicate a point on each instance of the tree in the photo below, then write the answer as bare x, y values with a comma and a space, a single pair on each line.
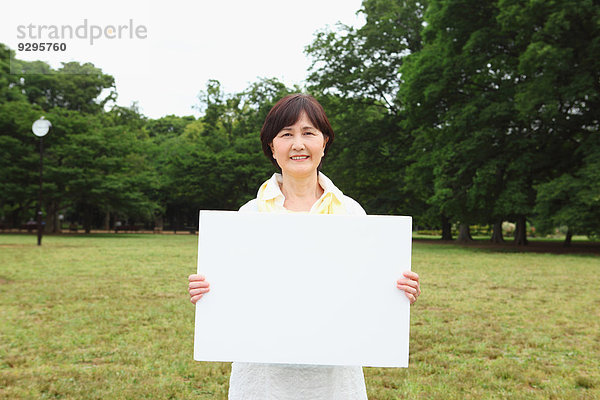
558, 99
19, 161
96, 164
216, 162
458, 96
355, 75
74, 86
573, 198
364, 63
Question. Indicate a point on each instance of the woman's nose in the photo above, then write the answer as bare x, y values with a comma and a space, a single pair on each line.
298, 143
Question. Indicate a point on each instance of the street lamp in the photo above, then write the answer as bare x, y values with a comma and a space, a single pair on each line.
40, 128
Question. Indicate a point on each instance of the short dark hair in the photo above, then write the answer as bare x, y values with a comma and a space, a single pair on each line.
286, 112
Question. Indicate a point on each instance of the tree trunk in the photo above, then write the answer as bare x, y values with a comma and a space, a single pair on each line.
107, 221
158, 223
464, 233
497, 232
58, 217
568, 238
87, 219
521, 231
446, 228
51, 217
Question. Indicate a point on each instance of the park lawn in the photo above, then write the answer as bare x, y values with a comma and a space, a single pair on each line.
108, 317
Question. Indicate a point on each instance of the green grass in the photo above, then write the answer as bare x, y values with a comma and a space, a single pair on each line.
103, 317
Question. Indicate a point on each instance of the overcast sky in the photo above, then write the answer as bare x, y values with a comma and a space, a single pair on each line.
177, 45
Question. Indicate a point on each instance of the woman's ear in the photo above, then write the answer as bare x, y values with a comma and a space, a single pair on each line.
272, 150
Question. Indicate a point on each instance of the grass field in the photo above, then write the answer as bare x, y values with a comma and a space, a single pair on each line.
107, 317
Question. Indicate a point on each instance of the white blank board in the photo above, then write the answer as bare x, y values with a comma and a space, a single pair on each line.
303, 289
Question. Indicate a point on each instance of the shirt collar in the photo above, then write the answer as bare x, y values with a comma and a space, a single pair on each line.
272, 190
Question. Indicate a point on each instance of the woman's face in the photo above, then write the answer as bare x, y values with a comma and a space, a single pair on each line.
298, 148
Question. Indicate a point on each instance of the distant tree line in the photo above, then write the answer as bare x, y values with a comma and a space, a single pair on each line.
102, 168
458, 113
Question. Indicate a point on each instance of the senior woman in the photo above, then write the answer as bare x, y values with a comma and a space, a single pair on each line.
296, 136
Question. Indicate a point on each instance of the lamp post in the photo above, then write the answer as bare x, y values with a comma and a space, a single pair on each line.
40, 128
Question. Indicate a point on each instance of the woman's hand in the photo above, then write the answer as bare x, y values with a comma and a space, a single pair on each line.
410, 285
197, 287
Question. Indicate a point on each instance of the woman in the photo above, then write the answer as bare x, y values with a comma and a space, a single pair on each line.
296, 136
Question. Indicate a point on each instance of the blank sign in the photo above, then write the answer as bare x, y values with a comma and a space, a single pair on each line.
303, 289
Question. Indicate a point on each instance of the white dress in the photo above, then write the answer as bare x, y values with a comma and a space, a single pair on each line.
251, 381
290, 382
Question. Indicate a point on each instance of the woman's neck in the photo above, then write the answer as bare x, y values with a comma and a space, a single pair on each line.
301, 192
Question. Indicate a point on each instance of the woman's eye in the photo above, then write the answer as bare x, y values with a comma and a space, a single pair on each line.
309, 133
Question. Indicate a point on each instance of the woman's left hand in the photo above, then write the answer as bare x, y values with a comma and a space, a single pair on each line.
410, 285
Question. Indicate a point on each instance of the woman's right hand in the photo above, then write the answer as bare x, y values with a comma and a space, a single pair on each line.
197, 287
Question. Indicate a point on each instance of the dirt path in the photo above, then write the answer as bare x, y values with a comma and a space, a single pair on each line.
539, 246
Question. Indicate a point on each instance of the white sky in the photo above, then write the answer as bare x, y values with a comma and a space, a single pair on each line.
188, 42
